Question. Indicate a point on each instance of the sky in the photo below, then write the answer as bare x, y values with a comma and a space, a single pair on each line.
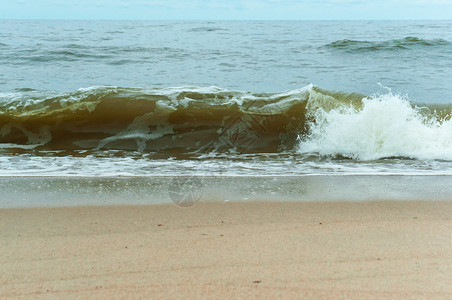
227, 9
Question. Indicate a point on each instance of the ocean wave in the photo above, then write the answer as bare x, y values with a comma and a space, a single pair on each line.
183, 120
389, 45
165, 120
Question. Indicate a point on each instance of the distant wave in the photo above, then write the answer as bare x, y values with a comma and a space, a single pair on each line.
206, 29
310, 120
90, 53
389, 45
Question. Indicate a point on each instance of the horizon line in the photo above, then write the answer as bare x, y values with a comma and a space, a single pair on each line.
209, 20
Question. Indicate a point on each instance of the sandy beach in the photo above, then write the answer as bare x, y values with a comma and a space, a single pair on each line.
358, 250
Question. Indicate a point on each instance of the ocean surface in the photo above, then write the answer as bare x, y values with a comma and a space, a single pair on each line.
225, 98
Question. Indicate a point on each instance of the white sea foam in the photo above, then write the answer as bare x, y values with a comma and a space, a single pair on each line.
386, 126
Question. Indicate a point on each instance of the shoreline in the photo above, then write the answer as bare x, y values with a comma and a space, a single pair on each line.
260, 249
151, 190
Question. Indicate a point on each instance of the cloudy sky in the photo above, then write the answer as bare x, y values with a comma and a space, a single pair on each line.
226, 9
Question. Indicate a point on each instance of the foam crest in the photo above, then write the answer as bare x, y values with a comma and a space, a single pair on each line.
386, 126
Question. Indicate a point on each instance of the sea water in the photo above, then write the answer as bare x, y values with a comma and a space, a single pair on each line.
313, 108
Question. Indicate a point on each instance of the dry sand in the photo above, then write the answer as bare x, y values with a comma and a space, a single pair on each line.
355, 250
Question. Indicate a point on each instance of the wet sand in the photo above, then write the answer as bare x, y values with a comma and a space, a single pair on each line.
306, 250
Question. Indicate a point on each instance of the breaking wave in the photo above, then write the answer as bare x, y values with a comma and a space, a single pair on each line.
170, 121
